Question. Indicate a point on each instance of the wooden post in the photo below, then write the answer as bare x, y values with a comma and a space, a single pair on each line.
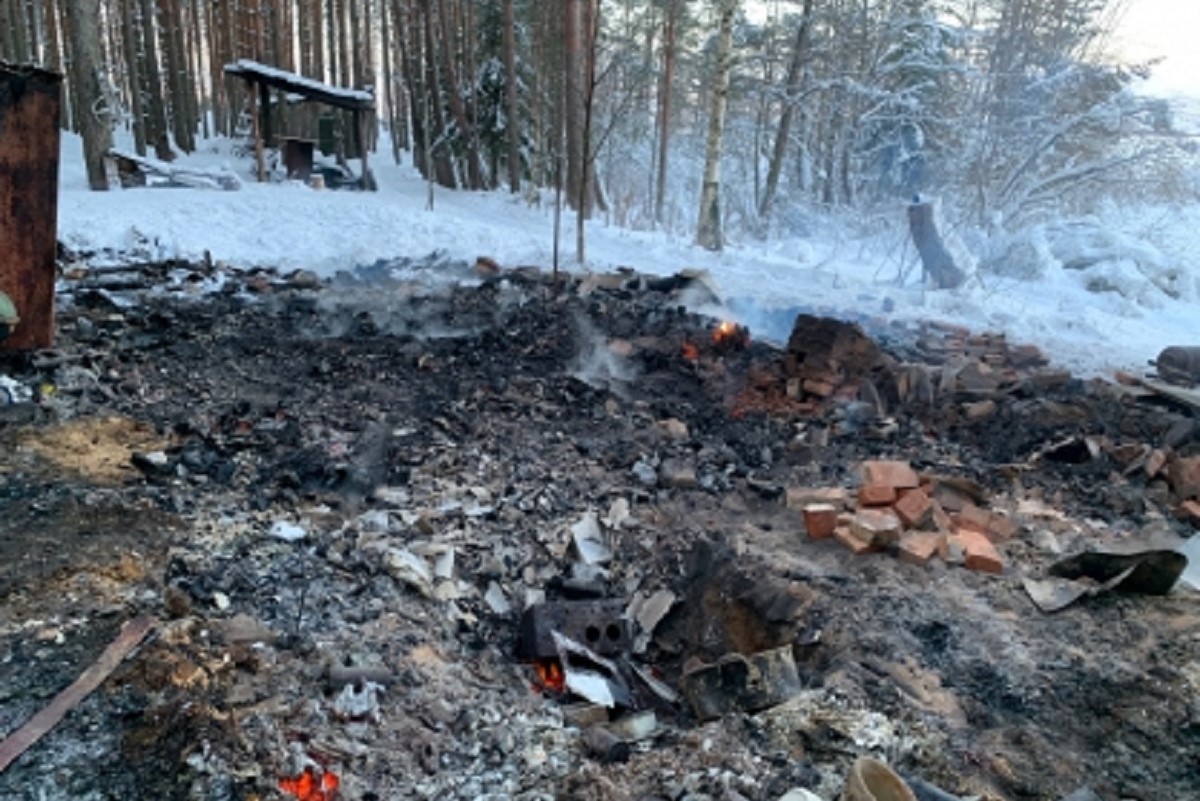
360, 129
264, 110
259, 161
935, 259
30, 105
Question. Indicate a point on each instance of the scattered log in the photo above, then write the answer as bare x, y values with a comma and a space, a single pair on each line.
40, 724
936, 260
134, 171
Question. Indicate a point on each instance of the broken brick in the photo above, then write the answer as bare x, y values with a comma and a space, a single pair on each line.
979, 410
915, 509
1189, 512
846, 537
889, 473
973, 518
820, 520
978, 552
1001, 527
1155, 462
1184, 475
941, 520
918, 547
879, 527
799, 497
822, 389
876, 495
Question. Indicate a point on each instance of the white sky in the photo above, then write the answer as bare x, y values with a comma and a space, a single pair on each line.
1166, 28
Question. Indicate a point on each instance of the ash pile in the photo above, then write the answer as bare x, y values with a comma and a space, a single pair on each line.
439, 530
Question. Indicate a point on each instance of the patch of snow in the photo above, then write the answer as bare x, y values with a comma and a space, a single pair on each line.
1135, 295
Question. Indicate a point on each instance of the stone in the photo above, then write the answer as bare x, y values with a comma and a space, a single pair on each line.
674, 428
678, 474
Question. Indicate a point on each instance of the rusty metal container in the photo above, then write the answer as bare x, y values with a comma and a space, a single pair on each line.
30, 104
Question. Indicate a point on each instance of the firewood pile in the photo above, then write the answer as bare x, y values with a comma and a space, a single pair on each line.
440, 530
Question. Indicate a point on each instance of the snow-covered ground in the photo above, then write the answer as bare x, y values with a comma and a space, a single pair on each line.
1135, 289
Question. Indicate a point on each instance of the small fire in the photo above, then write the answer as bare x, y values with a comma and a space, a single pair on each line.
311, 786
690, 351
550, 675
730, 334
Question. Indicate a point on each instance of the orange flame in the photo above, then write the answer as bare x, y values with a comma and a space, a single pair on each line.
550, 675
308, 787
729, 332
690, 351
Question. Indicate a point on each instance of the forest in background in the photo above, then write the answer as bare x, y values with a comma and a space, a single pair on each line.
693, 116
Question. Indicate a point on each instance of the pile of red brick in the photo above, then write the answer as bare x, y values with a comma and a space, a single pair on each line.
914, 516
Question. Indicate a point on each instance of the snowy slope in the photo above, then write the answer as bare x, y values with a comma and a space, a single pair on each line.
836, 271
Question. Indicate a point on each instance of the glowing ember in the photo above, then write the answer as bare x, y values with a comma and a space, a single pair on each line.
690, 352
309, 786
550, 675
730, 334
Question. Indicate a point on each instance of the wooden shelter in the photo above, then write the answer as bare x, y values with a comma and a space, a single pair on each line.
262, 78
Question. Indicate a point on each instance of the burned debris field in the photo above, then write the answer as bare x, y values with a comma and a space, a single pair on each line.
444, 531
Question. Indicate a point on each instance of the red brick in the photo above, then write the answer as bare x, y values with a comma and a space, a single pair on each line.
914, 508
918, 547
979, 553
847, 538
820, 520
897, 474
876, 495
879, 527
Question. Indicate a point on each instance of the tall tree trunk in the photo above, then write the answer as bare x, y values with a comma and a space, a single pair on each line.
179, 81
346, 55
133, 77
783, 134
573, 93
203, 100
83, 37
510, 98
670, 42
156, 123
709, 234
457, 107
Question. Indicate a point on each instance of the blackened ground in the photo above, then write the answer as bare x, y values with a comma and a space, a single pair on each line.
293, 398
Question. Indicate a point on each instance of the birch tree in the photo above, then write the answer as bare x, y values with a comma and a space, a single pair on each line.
709, 233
